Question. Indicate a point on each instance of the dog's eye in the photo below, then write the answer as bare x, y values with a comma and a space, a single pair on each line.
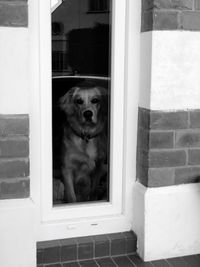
79, 101
95, 100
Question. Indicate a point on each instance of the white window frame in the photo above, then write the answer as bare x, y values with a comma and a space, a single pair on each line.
93, 218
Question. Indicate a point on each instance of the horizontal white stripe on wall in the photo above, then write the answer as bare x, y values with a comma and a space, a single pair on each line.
14, 66
170, 70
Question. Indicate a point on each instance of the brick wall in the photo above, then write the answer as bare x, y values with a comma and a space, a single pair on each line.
170, 15
168, 151
14, 156
168, 147
14, 13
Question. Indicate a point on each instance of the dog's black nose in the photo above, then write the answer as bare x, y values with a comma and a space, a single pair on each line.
87, 114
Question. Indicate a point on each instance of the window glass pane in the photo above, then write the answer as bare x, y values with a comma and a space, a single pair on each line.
81, 67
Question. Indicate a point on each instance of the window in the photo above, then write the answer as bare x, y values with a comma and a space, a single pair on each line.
81, 89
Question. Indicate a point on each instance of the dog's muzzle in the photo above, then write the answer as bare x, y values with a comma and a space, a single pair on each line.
88, 114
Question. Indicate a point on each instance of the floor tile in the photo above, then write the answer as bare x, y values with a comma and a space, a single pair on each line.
192, 261
161, 263
177, 262
71, 264
106, 262
138, 262
88, 263
123, 261
54, 265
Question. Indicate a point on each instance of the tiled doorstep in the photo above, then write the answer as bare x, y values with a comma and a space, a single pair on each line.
86, 248
130, 261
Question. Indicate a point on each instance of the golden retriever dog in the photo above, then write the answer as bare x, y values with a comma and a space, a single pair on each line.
84, 144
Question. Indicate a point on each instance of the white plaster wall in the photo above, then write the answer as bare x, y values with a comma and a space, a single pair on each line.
17, 233
171, 221
14, 90
170, 77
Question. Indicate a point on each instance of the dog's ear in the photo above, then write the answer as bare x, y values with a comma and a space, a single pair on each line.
66, 102
103, 91
105, 100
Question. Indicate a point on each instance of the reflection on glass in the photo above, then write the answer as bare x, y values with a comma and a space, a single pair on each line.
81, 45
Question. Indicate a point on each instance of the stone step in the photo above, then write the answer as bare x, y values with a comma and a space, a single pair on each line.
85, 248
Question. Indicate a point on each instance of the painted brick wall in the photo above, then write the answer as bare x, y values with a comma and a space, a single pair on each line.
13, 13
14, 129
168, 150
14, 156
170, 15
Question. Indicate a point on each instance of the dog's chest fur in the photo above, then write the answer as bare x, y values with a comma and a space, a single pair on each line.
89, 148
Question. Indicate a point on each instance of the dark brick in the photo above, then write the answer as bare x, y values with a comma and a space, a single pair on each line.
14, 188
170, 158
161, 177
142, 174
11, 168
13, 14
143, 118
174, 4
131, 242
102, 249
102, 246
194, 157
195, 118
68, 252
85, 251
197, 4
190, 20
14, 125
161, 140
165, 20
84, 240
147, 21
187, 175
169, 120
188, 138
118, 244
142, 157
15, 147
147, 4
40, 254
143, 139
51, 251
168, 4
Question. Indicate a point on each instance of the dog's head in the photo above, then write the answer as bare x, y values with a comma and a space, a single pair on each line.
87, 104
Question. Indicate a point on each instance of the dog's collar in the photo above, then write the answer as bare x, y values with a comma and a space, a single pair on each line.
85, 136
